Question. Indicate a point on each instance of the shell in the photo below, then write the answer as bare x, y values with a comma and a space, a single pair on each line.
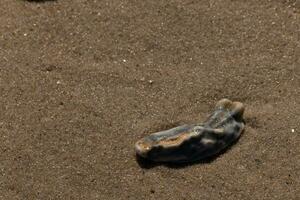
189, 143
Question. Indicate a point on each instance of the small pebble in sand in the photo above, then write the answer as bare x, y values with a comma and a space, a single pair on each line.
293, 130
58, 82
150, 81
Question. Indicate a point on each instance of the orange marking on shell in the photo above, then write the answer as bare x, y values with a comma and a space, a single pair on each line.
143, 145
173, 141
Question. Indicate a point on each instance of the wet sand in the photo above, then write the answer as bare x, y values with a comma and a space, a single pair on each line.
81, 81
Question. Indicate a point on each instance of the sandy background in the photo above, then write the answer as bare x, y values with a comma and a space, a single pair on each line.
82, 80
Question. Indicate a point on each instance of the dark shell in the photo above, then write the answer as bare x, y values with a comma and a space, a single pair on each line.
188, 143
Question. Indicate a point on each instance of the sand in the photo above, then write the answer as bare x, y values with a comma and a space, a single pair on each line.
81, 81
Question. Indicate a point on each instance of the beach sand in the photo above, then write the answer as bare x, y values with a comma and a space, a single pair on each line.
81, 81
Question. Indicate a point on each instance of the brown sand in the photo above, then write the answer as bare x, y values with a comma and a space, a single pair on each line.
82, 80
